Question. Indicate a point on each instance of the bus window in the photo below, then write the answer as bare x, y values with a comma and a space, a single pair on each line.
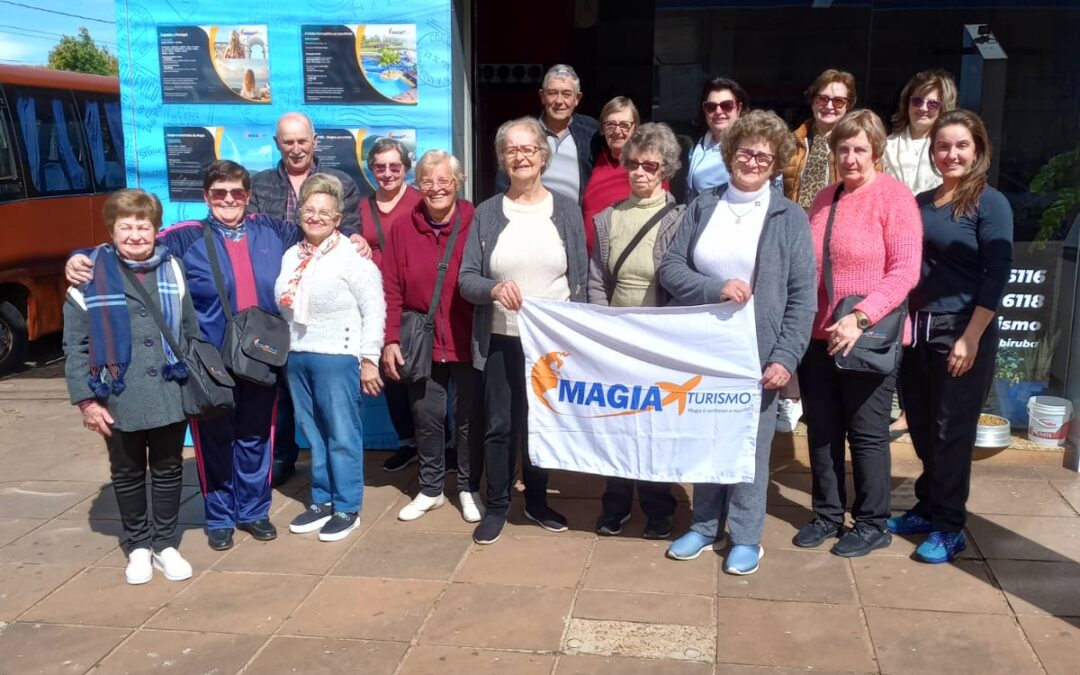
50, 134
105, 138
10, 184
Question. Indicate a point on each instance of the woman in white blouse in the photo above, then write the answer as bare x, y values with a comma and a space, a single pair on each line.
333, 300
907, 150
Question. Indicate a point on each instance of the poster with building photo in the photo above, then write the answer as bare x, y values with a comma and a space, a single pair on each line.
215, 64
358, 64
347, 150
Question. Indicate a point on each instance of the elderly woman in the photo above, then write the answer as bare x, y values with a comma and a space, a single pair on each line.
125, 378
607, 183
526, 243
722, 101
812, 167
946, 373
389, 161
622, 273
740, 241
874, 246
417, 247
333, 301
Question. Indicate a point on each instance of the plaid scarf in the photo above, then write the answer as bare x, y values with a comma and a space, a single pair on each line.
110, 325
296, 292
231, 233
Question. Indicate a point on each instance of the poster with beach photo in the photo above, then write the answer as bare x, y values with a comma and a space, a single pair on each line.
360, 64
214, 64
347, 150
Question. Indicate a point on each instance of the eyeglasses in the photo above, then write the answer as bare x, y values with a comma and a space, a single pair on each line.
440, 183
527, 151
746, 155
393, 167
725, 106
622, 126
308, 212
219, 194
836, 101
933, 105
650, 167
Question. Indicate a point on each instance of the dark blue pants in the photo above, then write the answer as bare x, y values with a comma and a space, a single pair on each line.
234, 454
285, 448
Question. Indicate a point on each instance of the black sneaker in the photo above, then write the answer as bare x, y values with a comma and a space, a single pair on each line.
610, 525
547, 518
260, 530
862, 539
339, 526
814, 533
489, 530
657, 527
313, 519
220, 540
405, 456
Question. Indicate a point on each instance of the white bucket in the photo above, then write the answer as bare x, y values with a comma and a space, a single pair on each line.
1048, 419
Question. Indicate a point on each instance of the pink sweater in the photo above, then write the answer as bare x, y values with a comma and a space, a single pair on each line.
876, 249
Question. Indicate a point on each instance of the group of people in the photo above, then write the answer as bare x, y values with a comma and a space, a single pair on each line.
837, 214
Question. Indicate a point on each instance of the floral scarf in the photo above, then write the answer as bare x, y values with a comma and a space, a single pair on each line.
297, 292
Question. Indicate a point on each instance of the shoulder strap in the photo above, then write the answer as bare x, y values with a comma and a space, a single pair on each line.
377, 221
650, 224
152, 306
215, 268
444, 265
826, 261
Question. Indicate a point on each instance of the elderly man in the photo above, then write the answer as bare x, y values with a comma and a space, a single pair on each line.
573, 138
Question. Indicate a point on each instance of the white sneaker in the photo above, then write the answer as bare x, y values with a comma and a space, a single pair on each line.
139, 570
469, 511
172, 564
789, 414
419, 506
478, 502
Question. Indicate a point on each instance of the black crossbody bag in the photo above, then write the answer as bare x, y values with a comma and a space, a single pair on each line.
649, 224
418, 329
878, 349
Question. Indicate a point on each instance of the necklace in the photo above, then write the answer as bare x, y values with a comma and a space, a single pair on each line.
740, 216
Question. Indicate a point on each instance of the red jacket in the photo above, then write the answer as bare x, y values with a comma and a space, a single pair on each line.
409, 266
406, 204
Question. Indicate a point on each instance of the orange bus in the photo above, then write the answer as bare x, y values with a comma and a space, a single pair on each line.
61, 153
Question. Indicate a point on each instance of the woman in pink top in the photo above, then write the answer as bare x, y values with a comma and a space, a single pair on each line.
875, 249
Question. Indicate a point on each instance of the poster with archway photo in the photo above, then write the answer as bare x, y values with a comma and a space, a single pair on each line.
365, 63
215, 64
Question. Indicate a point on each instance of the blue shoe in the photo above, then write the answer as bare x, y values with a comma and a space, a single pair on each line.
689, 546
743, 560
909, 523
941, 547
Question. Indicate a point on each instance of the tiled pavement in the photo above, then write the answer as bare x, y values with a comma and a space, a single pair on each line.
420, 597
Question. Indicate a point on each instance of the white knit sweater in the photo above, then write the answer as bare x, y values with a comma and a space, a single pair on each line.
347, 307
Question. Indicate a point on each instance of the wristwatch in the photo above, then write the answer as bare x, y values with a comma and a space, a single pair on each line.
862, 320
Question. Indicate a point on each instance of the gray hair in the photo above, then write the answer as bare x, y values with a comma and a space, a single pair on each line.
561, 71
323, 184
432, 158
532, 125
659, 138
386, 144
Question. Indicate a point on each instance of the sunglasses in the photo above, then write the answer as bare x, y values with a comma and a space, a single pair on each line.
836, 101
933, 105
650, 167
394, 167
725, 106
219, 194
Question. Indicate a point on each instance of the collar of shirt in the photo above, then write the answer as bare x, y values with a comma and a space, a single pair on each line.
557, 137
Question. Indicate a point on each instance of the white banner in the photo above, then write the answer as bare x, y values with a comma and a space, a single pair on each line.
662, 394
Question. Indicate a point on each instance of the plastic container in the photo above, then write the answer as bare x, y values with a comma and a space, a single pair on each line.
1048, 420
993, 432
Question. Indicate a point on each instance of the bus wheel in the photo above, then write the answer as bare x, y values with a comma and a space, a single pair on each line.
13, 338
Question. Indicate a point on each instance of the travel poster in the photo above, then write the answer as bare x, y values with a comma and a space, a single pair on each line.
360, 64
214, 64
347, 150
189, 150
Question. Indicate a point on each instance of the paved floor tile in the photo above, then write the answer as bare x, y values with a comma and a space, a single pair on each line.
325, 656
581, 515
65, 543
588, 664
235, 602
909, 641
667, 608
964, 586
288, 554
101, 597
433, 660
781, 524
43, 499
904, 546
1070, 491
1055, 640
152, 651
793, 635
192, 546
13, 528
44, 649
405, 555
787, 574
527, 561
1026, 537
1041, 587
378, 609
734, 669
642, 566
447, 518
1016, 497
641, 640
499, 617
23, 584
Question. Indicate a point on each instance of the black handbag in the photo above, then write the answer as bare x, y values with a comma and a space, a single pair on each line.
879, 348
417, 332
650, 224
256, 343
207, 392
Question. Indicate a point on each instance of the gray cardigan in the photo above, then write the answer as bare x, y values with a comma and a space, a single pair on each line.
601, 283
785, 276
149, 401
475, 278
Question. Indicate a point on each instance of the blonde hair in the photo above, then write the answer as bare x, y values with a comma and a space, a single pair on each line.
433, 158
851, 124
323, 184
923, 83
618, 104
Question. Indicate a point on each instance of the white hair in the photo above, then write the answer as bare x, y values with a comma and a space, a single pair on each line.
561, 71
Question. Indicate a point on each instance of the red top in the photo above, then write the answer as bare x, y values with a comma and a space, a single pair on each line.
243, 273
609, 184
406, 204
413, 253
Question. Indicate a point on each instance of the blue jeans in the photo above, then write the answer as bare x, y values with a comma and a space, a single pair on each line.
326, 398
